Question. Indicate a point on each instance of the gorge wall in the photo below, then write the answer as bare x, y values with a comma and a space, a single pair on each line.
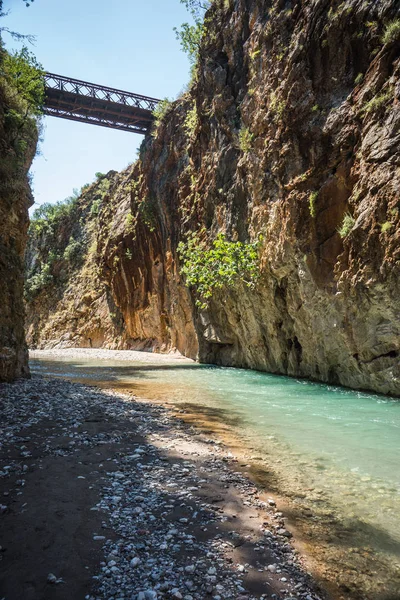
18, 139
291, 130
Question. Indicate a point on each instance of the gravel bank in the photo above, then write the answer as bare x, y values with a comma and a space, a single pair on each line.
107, 496
101, 354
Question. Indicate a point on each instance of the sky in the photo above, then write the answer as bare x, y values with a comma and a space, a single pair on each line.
126, 44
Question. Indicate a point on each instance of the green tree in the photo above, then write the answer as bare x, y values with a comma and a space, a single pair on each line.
26, 77
190, 36
221, 264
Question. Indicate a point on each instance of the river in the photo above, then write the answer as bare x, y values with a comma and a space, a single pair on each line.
333, 454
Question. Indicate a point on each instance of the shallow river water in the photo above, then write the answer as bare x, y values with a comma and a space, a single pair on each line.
333, 452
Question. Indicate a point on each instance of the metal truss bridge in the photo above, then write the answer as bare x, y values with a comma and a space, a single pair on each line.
90, 103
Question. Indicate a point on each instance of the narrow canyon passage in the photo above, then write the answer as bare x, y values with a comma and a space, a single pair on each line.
211, 315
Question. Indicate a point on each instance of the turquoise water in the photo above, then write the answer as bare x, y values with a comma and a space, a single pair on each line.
333, 449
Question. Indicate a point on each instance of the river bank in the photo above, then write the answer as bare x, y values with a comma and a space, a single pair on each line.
105, 495
330, 456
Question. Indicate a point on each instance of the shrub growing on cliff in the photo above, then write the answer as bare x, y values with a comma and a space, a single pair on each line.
276, 106
386, 226
160, 111
21, 94
148, 210
311, 203
221, 266
245, 139
25, 77
73, 252
102, 188
346, 226
189, 35
37, 282
191, 121
377, 102
47, 216
392, 32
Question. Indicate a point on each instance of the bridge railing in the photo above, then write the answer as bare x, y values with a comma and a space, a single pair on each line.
100, 92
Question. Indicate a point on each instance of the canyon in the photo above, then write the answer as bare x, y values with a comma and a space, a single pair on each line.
289, 134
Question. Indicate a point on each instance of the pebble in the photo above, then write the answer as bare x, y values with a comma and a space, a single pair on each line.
135, 562
151, 504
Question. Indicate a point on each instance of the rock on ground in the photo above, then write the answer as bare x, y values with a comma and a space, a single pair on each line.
105, 496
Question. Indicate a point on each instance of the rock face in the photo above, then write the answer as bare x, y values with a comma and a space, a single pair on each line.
292, 131
18, 138
68, 303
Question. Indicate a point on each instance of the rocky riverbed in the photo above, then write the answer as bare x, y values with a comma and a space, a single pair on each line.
108, 496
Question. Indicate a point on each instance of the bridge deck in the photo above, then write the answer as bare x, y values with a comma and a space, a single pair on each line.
100, 105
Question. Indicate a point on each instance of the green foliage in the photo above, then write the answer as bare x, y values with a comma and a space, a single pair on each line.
303, 176
47, 217
37, 282
102, 189
147, 210
190, 36
25, 76
392, 32
312, 203
245, 139
191, 121
95, 208
128, 253
160, 112
359, 78
73, 252
221, 266
197, 8
377, 102
99, 175
22, 93
386, 226
276, 106
335, 14
315, 108
347, 225
253, 55
130, 223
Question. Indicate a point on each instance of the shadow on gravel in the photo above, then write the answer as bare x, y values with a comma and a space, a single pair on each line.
79, 446
54, 531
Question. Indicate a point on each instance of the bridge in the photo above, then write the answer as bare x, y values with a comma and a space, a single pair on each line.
97, 104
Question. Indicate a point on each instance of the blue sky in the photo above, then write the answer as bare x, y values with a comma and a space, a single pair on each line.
127, 44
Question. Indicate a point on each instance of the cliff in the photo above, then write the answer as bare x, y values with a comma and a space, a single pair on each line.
68, 303
289, 132
18, 139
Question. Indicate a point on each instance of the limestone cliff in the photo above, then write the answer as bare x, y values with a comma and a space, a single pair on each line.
18, 139
68, 303
291, 130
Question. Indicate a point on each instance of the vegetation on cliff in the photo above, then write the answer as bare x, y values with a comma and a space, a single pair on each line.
21, 97
290, 131
223, 265
58, 232
63, 277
